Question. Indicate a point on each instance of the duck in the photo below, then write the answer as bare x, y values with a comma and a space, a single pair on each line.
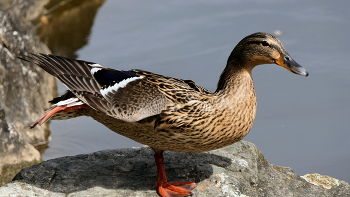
166, 113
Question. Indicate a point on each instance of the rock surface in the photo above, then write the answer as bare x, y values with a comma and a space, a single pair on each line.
24, 88
237, 170
16, 153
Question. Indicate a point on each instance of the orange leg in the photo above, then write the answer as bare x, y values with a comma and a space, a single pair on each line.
165, 189
54, 110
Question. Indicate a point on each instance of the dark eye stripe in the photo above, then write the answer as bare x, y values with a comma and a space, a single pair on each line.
264, 43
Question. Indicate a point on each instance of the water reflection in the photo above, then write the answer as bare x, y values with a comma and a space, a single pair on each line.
66, 26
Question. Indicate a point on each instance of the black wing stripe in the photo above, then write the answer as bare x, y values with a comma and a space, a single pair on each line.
107, 78
67, 95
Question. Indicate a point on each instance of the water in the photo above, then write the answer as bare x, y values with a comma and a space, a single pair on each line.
302, 122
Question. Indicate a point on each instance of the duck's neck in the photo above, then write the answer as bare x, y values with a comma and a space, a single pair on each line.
235, 97
235, 80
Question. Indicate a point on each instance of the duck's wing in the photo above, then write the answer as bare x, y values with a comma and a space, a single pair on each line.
178, 91
127, 95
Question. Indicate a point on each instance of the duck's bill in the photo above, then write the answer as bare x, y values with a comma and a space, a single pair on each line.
287, 62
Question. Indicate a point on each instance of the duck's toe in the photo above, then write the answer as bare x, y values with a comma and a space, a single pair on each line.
180, 189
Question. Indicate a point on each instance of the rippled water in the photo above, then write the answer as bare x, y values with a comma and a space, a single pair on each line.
302, 123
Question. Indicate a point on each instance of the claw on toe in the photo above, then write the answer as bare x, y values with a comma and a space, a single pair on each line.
180, 189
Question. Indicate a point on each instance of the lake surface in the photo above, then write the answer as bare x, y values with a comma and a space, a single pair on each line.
302, 122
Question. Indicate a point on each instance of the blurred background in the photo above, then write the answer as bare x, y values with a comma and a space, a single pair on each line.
302, 122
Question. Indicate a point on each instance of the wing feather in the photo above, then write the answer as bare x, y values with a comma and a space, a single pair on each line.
127, 95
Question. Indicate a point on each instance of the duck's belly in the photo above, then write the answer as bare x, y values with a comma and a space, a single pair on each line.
204, 139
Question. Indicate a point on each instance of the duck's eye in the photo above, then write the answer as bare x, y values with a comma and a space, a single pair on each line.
265, 43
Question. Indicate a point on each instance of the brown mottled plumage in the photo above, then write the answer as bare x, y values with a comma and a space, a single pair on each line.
167, 113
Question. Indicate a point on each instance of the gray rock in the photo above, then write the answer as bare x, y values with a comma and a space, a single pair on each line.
28, 9
237, 170
24, 89
16, 153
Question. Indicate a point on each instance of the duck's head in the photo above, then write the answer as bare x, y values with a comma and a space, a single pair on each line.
263, 48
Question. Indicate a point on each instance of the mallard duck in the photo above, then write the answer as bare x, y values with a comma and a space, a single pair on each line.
167, 113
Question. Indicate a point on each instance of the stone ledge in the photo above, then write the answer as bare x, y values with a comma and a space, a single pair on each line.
237, 170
